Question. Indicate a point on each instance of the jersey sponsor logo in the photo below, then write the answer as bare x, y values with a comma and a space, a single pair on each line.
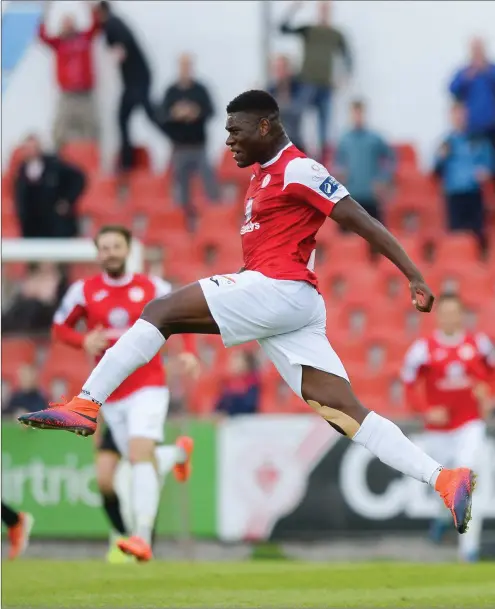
266, 181
136, 294
118, 318
250, 227
99, 296
329, 186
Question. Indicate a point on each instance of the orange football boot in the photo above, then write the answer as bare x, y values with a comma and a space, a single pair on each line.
78, 416
136, 546
182, 471
456, 487
19, 535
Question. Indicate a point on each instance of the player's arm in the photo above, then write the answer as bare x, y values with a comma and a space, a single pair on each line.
287, 28
350, 215
72, 309
51, 41
412, 376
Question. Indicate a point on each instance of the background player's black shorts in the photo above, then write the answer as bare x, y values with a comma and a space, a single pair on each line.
107, 442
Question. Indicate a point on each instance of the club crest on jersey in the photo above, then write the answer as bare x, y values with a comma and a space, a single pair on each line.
329, 186
136, 294
266, 181
118, 318
466, 352
99, 296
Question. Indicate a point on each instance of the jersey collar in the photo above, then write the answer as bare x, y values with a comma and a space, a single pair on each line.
276, 157
124, 280
449, 341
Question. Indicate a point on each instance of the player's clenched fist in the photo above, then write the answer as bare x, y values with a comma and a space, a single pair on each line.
422, 296
95, 342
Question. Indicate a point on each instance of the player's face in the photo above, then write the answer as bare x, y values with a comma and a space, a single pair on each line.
450, 316
245, 140
112, 253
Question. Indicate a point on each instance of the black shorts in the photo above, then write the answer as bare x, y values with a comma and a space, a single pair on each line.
107, 442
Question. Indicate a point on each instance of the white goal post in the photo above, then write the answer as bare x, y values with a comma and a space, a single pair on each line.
63, 250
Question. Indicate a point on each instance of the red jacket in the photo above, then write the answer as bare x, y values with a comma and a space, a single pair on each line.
74, 59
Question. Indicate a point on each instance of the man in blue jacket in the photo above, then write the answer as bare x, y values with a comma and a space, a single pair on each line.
464, 164
474, 86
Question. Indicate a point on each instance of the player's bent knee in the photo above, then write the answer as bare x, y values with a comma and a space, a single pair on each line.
346, 424
141, 450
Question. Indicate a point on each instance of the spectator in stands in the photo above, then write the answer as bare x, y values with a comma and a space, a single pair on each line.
365, 163
76, 113
184, 114
241, 387
27, 395
46, 191
286, 89
474, 86
322, 44
37, 298
464, 164
136, 76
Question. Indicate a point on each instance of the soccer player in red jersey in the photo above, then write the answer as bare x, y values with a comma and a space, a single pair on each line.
135, 411
445, 376
275, 300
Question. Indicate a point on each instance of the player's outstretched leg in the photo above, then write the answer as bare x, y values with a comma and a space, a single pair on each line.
182, 312
332, 397
19, 525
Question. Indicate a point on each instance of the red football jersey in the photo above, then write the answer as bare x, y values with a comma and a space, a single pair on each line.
287, 201
114, 304
447, 368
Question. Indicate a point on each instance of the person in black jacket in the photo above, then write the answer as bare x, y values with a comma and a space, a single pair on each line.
136, 76
46, 190
184, 114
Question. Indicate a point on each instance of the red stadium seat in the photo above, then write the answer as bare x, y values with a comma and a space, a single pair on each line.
15, 352
66, 364
462, 247
406, 155
86, 155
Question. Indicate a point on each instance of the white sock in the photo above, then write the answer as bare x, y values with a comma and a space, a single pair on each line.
135, 348
387, 442
145, 498
167, 457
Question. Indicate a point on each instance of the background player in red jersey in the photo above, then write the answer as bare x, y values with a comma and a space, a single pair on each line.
275, 301
135, 412
445, 377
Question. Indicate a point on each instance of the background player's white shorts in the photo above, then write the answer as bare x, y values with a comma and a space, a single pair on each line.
141, 414
287, 318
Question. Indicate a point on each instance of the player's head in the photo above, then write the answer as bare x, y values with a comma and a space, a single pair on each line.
450, 313
186, 63
324, 12
103, 10
358, 113
68, 26
31, 147
478, 51
113, 243
253, 123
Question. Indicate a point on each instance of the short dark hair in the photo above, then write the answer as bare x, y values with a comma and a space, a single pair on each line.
114, 228
450, 295
358, 104
254, 101
105, 7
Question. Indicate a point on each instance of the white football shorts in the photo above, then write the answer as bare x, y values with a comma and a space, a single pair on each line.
141, 414
287, 318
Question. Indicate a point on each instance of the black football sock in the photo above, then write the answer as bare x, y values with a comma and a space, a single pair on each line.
111, 505
9, 517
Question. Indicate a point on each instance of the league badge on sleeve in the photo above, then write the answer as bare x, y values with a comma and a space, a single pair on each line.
329, 186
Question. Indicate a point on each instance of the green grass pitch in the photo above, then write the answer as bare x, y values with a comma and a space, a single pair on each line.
46, 584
